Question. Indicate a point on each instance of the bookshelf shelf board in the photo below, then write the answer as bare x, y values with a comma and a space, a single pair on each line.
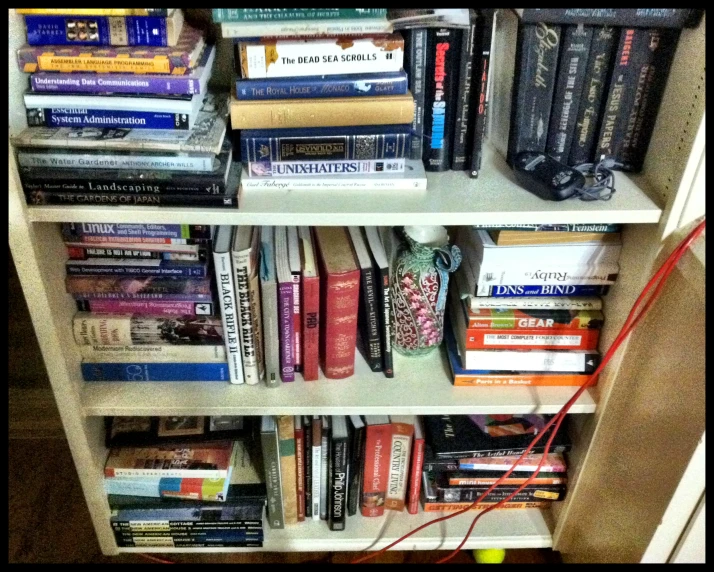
522, 528
452, 198
421, 386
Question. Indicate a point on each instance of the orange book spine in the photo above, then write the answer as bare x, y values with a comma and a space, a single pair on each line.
454, 506
519, 379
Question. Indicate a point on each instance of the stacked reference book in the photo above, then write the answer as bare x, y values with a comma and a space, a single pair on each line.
466, 454
119, 111
588, 81
184, 482
146, 297
525, 306
317, 108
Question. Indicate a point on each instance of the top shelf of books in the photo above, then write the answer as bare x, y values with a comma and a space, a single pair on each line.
452, 198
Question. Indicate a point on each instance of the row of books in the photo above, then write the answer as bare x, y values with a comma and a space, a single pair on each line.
589, 82
536, 343
119, 113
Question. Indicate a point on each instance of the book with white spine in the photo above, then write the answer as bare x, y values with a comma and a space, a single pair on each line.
545, 302
153, 353
189, 104
344, 167
308, 28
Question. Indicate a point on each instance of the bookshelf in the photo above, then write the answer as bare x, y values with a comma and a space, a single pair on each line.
651, 206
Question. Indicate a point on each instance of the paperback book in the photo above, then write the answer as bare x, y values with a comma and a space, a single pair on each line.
145, 371
292, 29
311, 168
279, 14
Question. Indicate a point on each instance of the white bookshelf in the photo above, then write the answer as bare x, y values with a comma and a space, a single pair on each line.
649, 205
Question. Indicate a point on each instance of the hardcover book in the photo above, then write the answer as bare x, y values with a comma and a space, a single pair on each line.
229, 200
271, 465
517, 237
439, 491
307, 458
96, 11
286, 322
417, 466
461, 436
152, 353
540, 303
339, 454
339, 301
193, 489
381, 270
245, 267
482, 88
356, 459
269, 302
312, 168
464, 116
415, 47
175, 60
400, 453
228, 301
294, 262
310, 305
550, 228
288, 469
533, 319
300, 467
643, 17
554, 463
279, 14
143, 371
306, 29
378, 436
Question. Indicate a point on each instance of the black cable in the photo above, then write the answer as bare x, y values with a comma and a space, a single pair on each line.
603, 186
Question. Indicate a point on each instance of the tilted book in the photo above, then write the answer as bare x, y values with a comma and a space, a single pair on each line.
269, 303
271, 465
294, 261
310, 305
286, 323
228, 301
339, 301
400, 453
288, 470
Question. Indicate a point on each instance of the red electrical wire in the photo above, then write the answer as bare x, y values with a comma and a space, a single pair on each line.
659, 278
155, 559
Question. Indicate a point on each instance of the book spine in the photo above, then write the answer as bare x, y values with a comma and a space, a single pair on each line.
416, 469
115, 83
338, 484
316, 466
248, 343
534, 83
340, 311
467, 456
641, 17
605, 227
336, 183
652, 80
163, 473
229, 318
182, 271
440, 96
277, 14
147, 307
591, 101
398, 474
415, 63
311, 168
348, 85
463, 125
386, 322
548, 318
192, 489
300, 471
195, 526
441, 465
287, 334
320, 58
460, 494
532, 339
297, 321
77, 117
531, 360
288, 470
328, 112
307, 456
312, 28
324, 472
546, 290
376, 468
81, 253
171, 543
517, 481
311, 327
143, 296
63, 160
356, 451
543, 303
569, 86
135, 232
82, 284
581, 275
476, 379
456, 506
95, 11
96, 31
273, 478
123, 199
324, 148
257, 319
152, 353
271, 333
368, 320
155, 372
481, 91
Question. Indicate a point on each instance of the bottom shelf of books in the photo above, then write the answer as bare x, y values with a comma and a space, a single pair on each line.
329, 483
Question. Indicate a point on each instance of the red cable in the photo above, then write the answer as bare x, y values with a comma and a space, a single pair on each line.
155, 559
632, 320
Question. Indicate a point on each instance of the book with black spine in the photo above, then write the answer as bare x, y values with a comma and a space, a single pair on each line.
415, 46
533, 87
465, 115
440, 96
368, 314
593, 95
381, 270
339, 451
356, 455
481, 87
568, 90
271, 467
307, 429
227, 298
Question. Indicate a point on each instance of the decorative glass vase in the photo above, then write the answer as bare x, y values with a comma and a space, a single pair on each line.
419, 286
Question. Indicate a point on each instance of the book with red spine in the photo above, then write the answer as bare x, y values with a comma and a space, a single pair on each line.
417, 466
378, 438
310, 306
339, 301
294, 262
300, 467
544, 339
400, 451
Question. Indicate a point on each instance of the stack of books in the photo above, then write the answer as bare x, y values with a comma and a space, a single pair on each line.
466, 454
525, 306
344, 111
119, 112
180, 482
588, 81
147, 302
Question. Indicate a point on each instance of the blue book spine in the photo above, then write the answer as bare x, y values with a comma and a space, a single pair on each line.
348, 85
71, 117
155, 372
73, 231
96, 31
343, 143
163, 268
501, 291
